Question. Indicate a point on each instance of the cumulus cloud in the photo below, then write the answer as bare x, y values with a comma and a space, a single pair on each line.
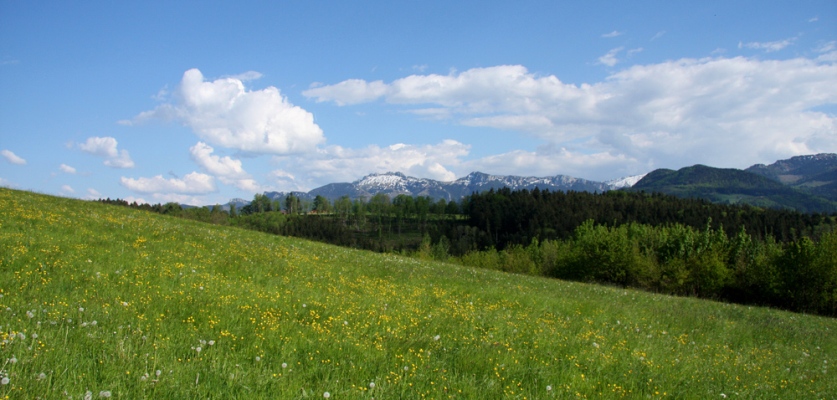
228, 170
768, 46
718, 111
339, 164
225, 113
193, 183
67, 169
106, 147
12, 157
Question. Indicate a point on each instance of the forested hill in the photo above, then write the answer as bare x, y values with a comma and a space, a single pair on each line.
732, 186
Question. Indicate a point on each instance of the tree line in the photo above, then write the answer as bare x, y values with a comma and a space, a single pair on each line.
655, 242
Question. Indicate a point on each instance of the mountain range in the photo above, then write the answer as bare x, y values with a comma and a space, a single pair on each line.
804, 183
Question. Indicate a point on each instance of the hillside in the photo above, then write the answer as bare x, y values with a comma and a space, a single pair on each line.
731, 186
815, 174
122, 303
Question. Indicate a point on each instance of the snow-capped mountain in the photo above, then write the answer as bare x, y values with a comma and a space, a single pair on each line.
393, 184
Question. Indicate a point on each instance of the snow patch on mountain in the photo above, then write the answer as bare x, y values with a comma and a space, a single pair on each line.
625, 182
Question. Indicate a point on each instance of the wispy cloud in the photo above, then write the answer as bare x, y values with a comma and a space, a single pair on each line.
612, 34
768, 47
610, 59
658, 35
12, 157
193, 183
67, 169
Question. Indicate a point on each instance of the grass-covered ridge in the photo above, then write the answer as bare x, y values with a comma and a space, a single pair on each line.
118, 302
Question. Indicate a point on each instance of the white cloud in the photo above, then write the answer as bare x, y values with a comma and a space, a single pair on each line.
12, 157
339, 164
228, 170
768, 46
67, 169
610, 59
93, 194
67, 189
351, 91
717, 111
612, 34
658, 35
225, 113
193, 183
106, 147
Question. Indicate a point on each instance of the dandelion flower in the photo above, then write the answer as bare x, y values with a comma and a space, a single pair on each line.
284, 365
437, 337
371, 385
41, 376
326, 395
212, 343
5, 380
81, 309
105, 394
158, 372
198, 349
548, 388
13, 360
258, 358
88, 395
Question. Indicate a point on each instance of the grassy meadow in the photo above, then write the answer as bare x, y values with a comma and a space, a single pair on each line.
101, 301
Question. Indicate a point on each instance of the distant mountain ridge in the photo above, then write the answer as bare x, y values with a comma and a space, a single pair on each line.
734, 186
804, 183
396, 183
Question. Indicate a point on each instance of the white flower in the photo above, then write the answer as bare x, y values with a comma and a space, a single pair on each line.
105, 394
30, 314
41, 376
437, 337
13, 360
326, 395
212, 343
81, 309
158, 372
258, 358
5, 380
198, 349
88, 395
548, 388
284, 365
371, 385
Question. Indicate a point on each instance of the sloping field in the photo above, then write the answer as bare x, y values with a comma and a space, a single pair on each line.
101, 301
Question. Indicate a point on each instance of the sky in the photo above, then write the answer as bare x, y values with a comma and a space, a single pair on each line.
202, 102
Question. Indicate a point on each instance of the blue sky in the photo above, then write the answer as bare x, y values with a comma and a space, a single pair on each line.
200, 102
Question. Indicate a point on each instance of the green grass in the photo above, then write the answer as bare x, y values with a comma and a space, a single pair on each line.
108, 300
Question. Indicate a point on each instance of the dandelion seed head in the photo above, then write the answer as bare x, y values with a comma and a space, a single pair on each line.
284, 365
158, 372
105, 394
5, 380
326, 395
88, 395
41, 376
211, 343
258, 358
13, 360
548, 388
437, 337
